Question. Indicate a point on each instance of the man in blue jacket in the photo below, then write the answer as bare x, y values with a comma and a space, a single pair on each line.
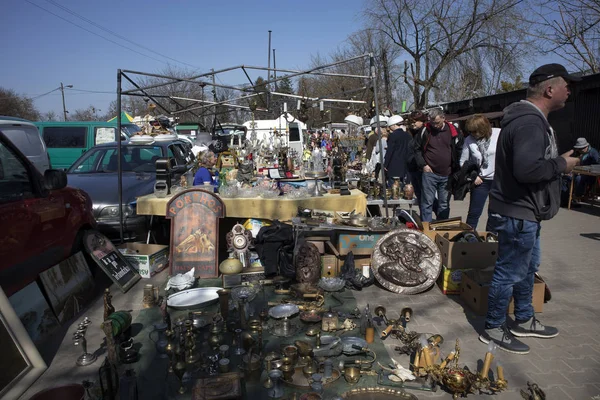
526, 191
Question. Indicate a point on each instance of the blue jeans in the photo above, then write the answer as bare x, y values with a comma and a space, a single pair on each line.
581, 183
518, 261
479, 195
434, 184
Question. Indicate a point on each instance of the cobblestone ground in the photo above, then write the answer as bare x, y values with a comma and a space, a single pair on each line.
565, 367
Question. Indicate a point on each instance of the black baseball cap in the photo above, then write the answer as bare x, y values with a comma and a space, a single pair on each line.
550, 71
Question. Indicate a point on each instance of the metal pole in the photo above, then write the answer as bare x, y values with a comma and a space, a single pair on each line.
62, 90
268, 74
374, 80
275, 70
119, 166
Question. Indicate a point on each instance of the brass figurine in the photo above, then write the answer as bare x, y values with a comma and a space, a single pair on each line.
108, 307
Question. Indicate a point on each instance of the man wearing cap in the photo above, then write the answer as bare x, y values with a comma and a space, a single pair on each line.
398, 152
588, 156
525, 191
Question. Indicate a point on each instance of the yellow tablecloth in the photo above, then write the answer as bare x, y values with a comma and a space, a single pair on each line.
281, 208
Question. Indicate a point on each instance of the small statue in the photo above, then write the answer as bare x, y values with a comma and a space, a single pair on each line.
308, 264
108, 307
245, 172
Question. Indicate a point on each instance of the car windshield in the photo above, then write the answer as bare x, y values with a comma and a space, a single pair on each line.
104, 159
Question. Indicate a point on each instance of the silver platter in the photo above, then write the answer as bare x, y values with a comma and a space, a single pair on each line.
283, 311
191, 298
406, 261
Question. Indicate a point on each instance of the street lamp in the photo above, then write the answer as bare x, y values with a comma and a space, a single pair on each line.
62, 89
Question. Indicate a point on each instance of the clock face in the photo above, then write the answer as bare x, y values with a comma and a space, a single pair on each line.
240, 241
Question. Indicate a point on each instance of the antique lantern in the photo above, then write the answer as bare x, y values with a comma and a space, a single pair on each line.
329, 322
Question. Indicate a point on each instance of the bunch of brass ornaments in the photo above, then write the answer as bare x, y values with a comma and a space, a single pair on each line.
406, 261
461, 381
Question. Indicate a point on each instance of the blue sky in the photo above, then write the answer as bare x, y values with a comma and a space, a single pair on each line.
44, 50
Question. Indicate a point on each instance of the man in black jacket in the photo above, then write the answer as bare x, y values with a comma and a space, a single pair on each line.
526, 190
437, 154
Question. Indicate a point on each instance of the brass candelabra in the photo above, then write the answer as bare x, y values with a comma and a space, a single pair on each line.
460, 381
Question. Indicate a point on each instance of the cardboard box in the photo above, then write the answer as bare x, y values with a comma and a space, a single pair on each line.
432, 232
319, 245
329, 266
147, 259
466, 255
357, 243
475, 295
450, 280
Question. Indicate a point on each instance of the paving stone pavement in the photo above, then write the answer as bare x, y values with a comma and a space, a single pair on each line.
565, 367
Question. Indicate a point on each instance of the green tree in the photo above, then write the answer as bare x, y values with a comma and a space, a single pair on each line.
511, 86
15, 105
285, 86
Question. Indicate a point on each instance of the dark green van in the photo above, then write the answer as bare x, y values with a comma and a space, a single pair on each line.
66, 141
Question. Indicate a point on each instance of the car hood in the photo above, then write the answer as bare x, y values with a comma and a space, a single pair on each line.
103, 187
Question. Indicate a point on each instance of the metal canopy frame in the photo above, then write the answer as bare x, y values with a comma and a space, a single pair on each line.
197, 79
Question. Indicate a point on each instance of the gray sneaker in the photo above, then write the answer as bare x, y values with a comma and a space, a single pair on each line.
504, 339
533, 328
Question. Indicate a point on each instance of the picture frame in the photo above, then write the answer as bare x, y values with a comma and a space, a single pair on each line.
21, 362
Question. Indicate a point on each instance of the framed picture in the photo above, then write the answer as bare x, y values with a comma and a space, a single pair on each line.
21, 363
110, 260
69, 286
35, 313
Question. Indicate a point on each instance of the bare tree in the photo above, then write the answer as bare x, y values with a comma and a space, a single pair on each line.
50, 116
570, 29
84, 114
435, 35
15, 105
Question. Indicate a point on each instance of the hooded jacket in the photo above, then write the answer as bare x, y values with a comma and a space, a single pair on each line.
527, 177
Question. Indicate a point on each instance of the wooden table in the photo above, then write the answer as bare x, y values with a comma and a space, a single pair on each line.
281, 208
595, 172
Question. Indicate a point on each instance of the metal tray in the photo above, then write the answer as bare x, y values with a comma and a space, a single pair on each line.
191, 298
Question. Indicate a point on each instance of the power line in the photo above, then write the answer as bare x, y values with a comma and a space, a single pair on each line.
94, 33
116, 34
93, 91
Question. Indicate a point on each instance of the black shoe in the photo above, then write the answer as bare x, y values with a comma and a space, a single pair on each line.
533, 328
504, 339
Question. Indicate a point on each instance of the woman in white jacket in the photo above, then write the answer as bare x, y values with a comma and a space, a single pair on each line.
480, 148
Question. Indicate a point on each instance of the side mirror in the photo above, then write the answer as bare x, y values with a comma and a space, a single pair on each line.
55, 179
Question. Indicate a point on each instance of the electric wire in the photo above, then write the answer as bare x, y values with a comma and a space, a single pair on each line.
116, 34
95, 33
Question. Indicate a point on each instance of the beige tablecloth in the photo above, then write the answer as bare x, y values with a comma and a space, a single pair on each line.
281, 208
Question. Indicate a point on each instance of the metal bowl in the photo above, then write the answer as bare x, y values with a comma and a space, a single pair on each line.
283, 311
332, 284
